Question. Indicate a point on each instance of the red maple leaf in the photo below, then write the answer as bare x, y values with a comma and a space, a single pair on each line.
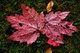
27, 25
56, 27
31, 24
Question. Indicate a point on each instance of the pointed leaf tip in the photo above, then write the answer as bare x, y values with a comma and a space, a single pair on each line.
49, 50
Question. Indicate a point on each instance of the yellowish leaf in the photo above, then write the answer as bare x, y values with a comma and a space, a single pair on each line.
49, 50
49, 6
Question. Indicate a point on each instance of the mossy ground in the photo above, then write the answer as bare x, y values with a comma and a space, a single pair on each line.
11, 7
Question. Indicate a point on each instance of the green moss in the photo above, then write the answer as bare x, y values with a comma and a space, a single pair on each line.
12, 7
